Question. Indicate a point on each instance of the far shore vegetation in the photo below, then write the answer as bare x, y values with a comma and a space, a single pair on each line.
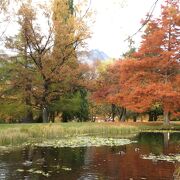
21, 134
46, 74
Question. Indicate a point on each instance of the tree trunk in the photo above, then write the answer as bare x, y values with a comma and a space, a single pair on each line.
52, 117
113, 112
28, 87
166, 118
28, 118
155, 116
150, 116
121, 113
45, 115
134, 118
123, 118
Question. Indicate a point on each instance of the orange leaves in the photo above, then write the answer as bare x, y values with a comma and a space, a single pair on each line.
155, 73
108, 84
151, 77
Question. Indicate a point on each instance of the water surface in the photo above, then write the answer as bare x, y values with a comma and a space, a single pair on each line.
91, 163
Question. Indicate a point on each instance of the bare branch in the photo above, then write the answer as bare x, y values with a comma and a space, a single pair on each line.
146, 20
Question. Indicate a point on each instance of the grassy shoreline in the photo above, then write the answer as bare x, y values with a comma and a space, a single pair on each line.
19, 134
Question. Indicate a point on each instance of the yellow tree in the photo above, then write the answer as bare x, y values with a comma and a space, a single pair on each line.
52, 66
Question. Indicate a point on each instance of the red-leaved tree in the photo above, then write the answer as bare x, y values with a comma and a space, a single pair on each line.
152, 78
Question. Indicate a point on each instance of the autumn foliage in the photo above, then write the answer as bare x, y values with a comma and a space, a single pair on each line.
45, 68
45, 75
151, 76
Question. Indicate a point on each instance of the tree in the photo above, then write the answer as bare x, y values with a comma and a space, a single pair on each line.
11, 107
21, 67
58, 17
152, 77
108, 87
47, 57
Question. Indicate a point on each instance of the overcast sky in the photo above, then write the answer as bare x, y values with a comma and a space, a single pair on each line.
115, 21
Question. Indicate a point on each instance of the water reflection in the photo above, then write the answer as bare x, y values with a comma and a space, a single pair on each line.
123, 162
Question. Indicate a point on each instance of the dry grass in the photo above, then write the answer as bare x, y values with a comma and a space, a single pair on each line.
17, 134
21, 133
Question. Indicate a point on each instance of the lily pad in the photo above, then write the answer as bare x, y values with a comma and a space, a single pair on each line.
66, 168
45, 174
170, 158
20, 170
85, 142
38, 172
31, 170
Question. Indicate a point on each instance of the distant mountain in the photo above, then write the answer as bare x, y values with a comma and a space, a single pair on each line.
92, 56
95, 54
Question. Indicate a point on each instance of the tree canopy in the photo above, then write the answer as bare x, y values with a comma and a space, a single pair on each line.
44, 77
149, 77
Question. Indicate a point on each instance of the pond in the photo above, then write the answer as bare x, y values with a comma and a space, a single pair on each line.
152, 156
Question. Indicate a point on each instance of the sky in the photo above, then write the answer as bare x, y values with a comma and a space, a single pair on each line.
115, 20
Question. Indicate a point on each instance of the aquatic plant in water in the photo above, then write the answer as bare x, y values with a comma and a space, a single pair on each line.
85, 142
170, 158
34, 172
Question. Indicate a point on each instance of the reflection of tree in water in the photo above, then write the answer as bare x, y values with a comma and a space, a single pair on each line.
170, 142
119, 149
176, 174
175, 137
99, 162
26, 153
43, 161
153, 141
159, 143
166, 139
49, 159
124, 162
69, 157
